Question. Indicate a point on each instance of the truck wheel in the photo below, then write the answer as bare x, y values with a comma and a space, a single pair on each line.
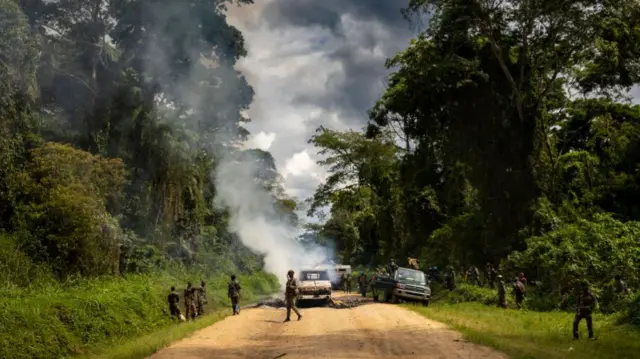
425, 303
394, 299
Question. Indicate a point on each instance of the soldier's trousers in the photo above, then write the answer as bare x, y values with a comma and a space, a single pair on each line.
502, 301
451, 285
519, 300
190, 310
291, 305
576, 323
174, 310
235, 305
200, 308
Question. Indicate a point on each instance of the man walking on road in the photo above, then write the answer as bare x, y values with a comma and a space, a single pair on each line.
233, 292
291, 293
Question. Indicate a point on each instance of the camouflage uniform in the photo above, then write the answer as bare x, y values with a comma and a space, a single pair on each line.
393, 267
348, 283
474, 273
201, 298
233, 292
489, 275
189, 302
173, 300
362, 282
584, 307
502, 293
291, 293
372, 284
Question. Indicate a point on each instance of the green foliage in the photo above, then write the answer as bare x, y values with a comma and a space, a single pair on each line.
63, 320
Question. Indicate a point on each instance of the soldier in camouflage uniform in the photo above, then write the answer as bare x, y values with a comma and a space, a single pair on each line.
173, 300
393, 267
349, 282
584, 307
519, 291
502, 292
474, 273
233, 292
201, 298
372, 284
291, 293
450, 278
189, 302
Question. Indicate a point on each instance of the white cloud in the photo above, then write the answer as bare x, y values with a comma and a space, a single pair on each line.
261, 140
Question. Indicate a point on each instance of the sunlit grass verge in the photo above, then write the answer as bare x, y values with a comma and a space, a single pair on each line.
528, 334
94, 316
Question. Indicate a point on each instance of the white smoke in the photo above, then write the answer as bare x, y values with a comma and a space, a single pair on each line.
251, 210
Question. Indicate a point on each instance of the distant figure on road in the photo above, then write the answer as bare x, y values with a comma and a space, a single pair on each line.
189, 302
173, 300
348, 283
372, 284
233, 292
502, 293
291, 293
450, 278
362, 284
584, 307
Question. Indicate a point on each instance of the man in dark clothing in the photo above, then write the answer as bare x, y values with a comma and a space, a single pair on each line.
233, 292
393, 267
290, 294
584, 307
519, 291
362, 281
349, 282
201, 298
490, 275
474, 273
173, 300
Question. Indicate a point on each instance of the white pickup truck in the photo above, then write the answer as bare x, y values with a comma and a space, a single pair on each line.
314, 285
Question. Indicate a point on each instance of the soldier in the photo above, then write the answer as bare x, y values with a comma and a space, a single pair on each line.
519, 291
201, 298
372, 284
173, 300
451, 278
584, 307
349, 281
362, 282
621, 286
474, 273
343, 282
393, 267
502, 293
291, 293
488, 275
189, 304
233, 292
414, 263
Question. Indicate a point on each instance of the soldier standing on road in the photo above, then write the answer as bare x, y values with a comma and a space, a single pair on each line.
349, 280
451, 278
519, 291
174, 299
189, 302
502, 293
233, 292
372, 284
362, 282
584, 307
291, 293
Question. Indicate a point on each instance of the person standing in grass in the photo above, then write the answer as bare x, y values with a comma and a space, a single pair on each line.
519, 291
189, 302
584, 308
201, 298
233, 293
174, 299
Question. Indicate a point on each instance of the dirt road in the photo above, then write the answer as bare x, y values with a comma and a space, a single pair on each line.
366, 332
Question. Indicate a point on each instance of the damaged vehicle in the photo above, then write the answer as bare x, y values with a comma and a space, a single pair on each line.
315, 285
406, 284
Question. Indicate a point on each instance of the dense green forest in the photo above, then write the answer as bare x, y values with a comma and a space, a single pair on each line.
114, 115
505, 135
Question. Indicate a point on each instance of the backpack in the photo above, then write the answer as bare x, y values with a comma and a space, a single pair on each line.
233, 290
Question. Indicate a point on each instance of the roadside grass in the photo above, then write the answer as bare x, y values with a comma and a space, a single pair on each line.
532, 335
126, 317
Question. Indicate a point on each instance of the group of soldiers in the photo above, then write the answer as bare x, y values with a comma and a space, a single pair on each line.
195, 299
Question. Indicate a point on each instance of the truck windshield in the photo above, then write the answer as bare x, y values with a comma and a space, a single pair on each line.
410, 276
314, 275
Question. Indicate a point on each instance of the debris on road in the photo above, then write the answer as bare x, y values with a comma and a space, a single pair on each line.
336, 303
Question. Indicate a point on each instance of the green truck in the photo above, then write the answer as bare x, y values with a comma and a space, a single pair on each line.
405, 284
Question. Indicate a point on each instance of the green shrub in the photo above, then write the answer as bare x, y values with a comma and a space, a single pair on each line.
80, 315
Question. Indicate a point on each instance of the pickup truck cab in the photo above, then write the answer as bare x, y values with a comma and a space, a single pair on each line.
314, 285
405, 284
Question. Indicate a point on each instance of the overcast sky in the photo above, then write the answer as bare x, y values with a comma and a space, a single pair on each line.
314, 63
311, 63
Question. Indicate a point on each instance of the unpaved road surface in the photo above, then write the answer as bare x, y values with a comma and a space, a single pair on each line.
380, 331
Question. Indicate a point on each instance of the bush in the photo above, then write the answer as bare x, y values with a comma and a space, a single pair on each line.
466, 293
75, 317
